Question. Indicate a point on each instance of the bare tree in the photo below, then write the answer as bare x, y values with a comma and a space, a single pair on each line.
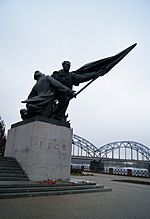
2, 137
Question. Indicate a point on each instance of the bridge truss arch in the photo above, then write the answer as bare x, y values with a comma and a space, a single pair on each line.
132, 150
117, 150
81, 147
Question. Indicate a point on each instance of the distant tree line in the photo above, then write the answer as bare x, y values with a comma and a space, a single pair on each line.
2, 137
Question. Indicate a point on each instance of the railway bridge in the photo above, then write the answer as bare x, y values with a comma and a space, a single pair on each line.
119, 154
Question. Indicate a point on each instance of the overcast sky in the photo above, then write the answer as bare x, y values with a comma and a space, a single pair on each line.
40, 34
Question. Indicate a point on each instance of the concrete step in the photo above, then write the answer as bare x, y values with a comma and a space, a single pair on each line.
13, 174
10, 164
16, 171
10, 168
48, 188
8, 178
22, 184
7, 158
52, 193
15, 184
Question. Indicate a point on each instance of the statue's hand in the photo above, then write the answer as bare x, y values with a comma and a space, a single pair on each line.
71, 94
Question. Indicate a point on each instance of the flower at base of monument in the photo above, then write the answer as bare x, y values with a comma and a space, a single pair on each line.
71, 183
48, 182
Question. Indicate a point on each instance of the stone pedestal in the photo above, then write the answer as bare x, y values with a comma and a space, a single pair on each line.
43, 149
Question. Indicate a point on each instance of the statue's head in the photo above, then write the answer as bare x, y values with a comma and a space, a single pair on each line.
37, 75
66, 65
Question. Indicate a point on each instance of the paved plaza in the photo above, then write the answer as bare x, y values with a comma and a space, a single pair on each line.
125, 201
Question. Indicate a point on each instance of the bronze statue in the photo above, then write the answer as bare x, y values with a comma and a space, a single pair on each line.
50, 96
69, 79
88, 72
41, 100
